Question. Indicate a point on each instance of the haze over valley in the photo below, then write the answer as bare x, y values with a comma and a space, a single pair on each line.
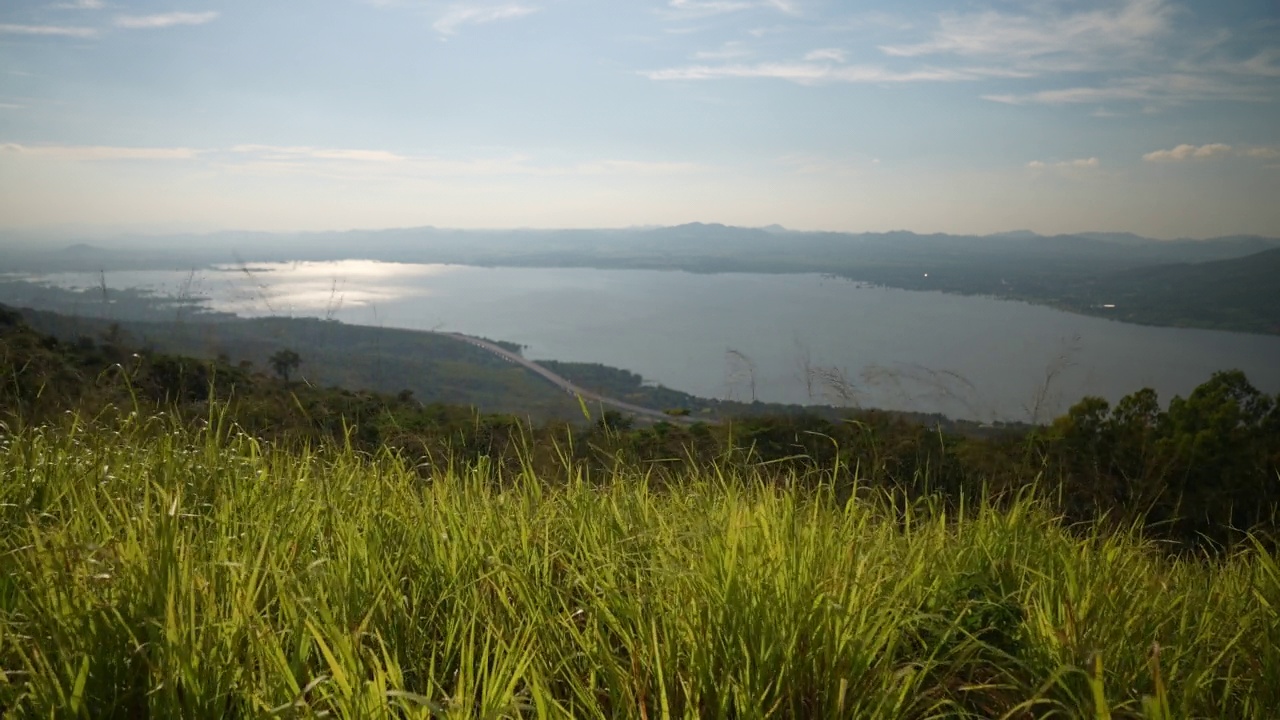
552, 359
782, 338
1114, 158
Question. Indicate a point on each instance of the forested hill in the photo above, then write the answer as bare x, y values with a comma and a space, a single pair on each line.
1242, 293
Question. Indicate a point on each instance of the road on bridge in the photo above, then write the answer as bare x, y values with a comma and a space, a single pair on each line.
564, 384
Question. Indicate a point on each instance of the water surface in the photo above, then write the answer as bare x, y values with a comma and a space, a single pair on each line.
785, 338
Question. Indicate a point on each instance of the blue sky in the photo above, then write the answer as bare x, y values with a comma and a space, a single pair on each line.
1153, 116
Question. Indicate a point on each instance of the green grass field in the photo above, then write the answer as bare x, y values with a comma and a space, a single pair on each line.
147, 570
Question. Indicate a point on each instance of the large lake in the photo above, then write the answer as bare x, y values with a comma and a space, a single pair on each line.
802, 338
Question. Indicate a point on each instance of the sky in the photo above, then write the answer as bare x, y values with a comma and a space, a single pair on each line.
1158, 117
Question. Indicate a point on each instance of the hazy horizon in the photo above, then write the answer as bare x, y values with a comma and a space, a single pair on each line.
1156, 117
100, 234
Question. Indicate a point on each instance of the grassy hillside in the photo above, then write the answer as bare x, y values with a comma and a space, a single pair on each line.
433, 368
189, 538
148, 570
1199, 472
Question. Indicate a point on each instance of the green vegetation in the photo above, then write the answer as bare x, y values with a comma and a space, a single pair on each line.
1238, 294
1200, 473
188, 538
432, 368
147, 570
284, 362
630, 387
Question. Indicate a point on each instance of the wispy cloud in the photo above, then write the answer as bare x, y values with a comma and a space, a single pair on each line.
98, 152
1048, 36
1187, 151
727, 51
693, 9
686, 9
348, 162
1165, 89
164, 20
808, 164
1264, 152
791, 7
1114, 51
80, 5
53, 30
812, 73
460, 15
1078, 164
828, 54
274, 152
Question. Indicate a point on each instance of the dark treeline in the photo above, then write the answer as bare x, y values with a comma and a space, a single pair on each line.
1203, 473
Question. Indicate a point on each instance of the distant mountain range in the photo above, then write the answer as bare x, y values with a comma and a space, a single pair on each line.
1155, 281
692, 241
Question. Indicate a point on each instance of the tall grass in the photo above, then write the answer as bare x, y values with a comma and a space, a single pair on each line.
150, 570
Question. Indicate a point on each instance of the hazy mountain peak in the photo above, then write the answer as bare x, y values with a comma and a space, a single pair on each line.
83, 248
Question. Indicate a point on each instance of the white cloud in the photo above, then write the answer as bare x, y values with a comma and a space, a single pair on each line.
1200, 152
346, 162
99, 152
460, 15
80, 5
55, 30
808, 73
272, 152
164, 20
1088, 163
1186, 152
831, 54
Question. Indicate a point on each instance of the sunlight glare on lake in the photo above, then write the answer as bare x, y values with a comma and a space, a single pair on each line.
325, 286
